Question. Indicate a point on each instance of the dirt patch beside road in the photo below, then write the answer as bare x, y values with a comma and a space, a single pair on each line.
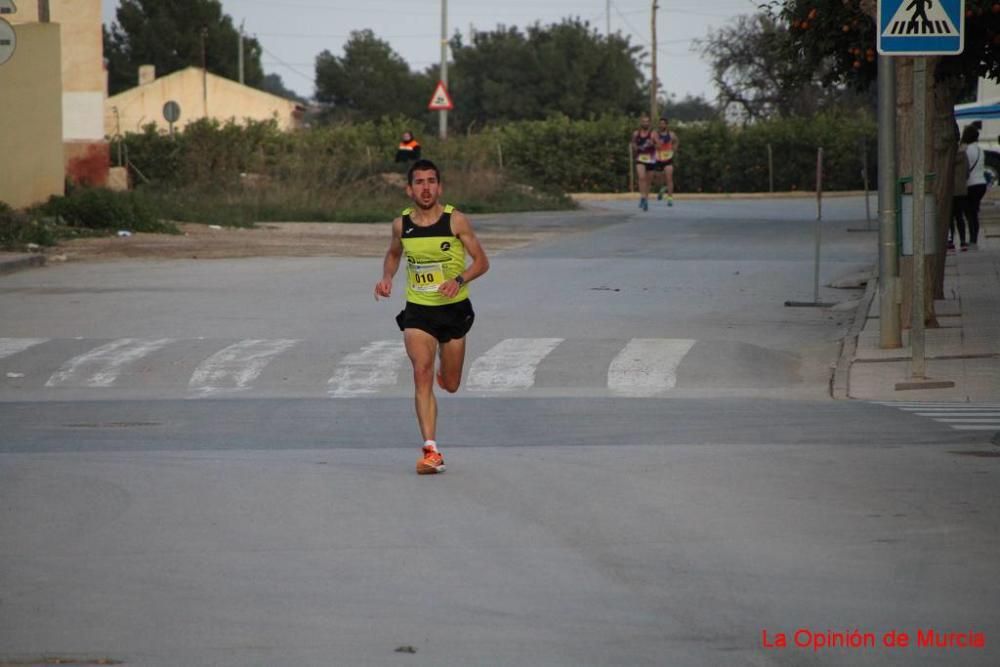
279, 239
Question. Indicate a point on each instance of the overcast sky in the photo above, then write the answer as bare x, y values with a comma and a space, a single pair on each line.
293, 32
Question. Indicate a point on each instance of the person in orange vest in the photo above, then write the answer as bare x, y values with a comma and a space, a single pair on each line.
409, 148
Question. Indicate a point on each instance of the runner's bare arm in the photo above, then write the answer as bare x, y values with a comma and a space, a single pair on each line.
391, 262
462, 228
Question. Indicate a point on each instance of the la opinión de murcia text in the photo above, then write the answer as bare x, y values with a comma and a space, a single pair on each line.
804, 638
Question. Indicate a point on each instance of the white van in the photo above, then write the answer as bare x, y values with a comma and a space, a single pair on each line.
985, 109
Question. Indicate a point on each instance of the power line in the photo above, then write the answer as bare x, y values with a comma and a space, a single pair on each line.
288, 66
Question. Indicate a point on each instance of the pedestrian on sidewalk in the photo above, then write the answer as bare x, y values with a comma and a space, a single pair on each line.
976, 182
960, 190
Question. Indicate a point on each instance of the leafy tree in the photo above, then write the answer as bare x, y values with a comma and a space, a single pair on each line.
756, 77
843, 34
691, 108
273, 83
566, 68
169, 36
369, 81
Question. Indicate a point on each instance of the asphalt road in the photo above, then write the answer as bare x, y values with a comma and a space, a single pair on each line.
211, 463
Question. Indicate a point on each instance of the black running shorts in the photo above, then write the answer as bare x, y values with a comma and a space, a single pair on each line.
445, 323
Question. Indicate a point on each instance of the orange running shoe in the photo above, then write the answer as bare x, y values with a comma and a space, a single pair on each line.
431, 463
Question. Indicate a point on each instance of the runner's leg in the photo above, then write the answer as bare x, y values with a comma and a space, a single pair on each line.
452, 359
669, 172
421, 347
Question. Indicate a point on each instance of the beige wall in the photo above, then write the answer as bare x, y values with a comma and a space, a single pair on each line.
82, 63
226, 100
31, 146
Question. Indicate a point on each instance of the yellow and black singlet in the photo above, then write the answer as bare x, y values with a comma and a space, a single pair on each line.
433, 255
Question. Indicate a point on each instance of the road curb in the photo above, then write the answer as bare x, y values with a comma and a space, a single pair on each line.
709, 196
841, 380
17, 263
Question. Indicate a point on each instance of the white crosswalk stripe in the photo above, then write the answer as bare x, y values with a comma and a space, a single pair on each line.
638, 367
510, 364
11, 346
959, 416
647, 366
101, 366
235, 367
375, 367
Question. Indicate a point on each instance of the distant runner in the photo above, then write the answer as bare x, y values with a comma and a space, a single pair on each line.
438, 313
644, 143
665, 151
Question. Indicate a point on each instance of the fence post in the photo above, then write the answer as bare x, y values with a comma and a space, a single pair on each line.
631, 169
770, 169
500, 154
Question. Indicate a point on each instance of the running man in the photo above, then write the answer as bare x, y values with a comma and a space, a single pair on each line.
644, 144
438, 313
666, 148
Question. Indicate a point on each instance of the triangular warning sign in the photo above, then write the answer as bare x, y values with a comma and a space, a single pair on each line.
440, 100
920, 18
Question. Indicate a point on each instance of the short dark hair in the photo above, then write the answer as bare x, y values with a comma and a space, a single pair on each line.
664, 119
970, 134
422, 165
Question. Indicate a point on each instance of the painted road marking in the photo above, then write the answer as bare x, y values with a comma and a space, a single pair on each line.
647, 366
375, 367
510, 364
101, 366
233, 368
11, 346
959, 416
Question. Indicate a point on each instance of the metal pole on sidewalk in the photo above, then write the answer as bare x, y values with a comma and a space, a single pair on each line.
864, 175
815, 303
443, 113
888, 266
819, 220
919, 371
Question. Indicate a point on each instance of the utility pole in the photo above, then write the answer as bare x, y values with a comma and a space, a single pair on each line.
653, 85
241, 51
443, 113
607, 18
204, 71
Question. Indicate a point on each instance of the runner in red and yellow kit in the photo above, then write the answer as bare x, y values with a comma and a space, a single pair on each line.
438, 313
666, 149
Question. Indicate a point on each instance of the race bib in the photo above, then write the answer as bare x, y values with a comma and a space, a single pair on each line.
663, 156
426, 277
646, 158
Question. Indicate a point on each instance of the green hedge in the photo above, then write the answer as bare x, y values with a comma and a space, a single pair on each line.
553, 155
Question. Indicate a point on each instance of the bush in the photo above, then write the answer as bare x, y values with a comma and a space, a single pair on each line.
17, 230
105, 210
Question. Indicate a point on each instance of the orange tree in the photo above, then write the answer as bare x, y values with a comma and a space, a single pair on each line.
842, 34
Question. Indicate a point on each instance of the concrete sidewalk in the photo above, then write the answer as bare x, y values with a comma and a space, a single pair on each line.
964, 350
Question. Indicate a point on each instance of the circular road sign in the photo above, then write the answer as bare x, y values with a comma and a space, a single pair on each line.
8, 41
171, 111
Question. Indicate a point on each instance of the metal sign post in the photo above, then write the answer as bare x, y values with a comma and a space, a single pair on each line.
919, 190
171, 114
920, 28
816, 303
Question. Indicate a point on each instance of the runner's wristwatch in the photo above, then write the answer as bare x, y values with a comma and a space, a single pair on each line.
460, 280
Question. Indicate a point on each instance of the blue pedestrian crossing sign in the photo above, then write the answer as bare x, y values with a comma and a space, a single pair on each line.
921, 27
